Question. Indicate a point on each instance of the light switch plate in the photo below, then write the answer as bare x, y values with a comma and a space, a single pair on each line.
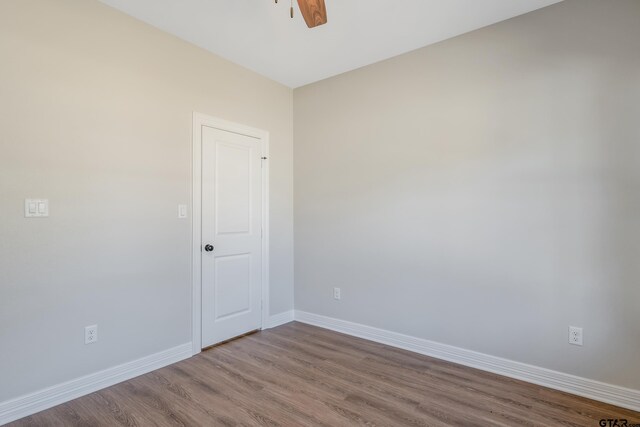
36, 208
182, 211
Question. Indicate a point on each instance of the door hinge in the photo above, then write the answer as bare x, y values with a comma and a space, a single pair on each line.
262, 162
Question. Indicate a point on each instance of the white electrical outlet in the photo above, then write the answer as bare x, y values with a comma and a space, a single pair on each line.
90, 334
575, 335
336, 293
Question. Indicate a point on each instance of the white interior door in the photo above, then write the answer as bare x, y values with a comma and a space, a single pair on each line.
231, 235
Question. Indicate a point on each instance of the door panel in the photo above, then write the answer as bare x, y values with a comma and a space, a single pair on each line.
233, 189
233, 285
231, 223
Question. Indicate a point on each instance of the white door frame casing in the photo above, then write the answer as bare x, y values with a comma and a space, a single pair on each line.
200, 120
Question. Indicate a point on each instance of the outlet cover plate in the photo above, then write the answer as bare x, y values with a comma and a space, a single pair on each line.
90, 334
575, 335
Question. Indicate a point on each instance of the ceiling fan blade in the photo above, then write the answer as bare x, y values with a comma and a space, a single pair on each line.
313, 11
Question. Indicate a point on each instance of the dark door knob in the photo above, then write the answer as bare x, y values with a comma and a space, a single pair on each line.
208, 248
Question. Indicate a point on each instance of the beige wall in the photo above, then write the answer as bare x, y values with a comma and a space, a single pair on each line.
95, 114
484, 192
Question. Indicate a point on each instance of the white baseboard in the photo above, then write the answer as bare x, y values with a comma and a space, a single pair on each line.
280, 319
23, 406
596, 390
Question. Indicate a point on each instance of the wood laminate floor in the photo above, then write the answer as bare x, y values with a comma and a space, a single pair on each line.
299, 375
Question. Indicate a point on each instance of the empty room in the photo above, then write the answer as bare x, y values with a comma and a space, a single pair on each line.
320, 213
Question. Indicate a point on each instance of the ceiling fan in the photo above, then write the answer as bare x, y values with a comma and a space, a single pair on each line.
314, 12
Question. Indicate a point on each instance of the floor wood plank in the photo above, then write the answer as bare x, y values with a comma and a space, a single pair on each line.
300, 375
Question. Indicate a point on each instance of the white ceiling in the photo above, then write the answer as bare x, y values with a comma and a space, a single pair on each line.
259, 34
